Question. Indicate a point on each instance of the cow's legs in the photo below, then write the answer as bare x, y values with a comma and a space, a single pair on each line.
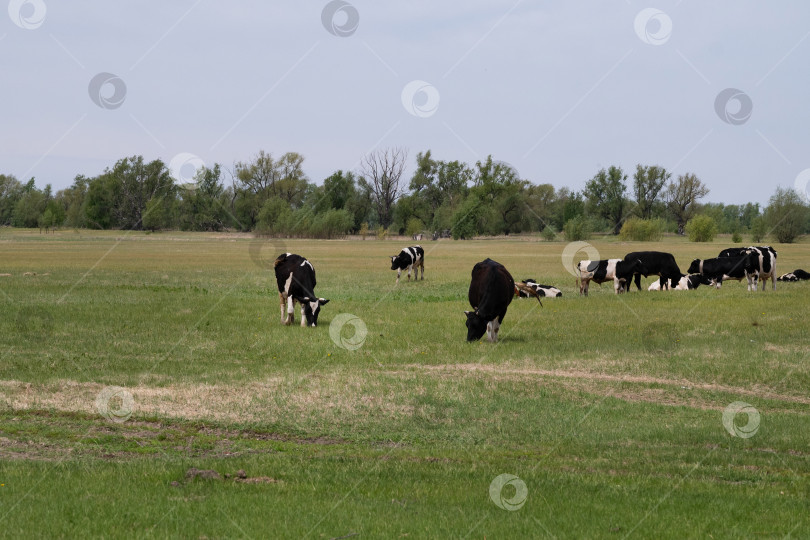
409, 272
303, 316
493, 327
290, 311
283, 301
422, 266
637, 279
399, 273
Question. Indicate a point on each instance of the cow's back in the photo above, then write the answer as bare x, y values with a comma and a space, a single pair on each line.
491, 285
302, 281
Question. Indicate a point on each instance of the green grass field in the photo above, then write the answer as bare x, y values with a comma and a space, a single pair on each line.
608, 409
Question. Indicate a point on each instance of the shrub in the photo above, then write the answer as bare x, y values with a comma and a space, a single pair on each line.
414, 226
364, 231
701, 229
548, 234
382, 232
642, 230
736, 237
332, 223
578, 228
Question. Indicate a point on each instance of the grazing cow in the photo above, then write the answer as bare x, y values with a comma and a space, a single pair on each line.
618, 270
655, 263
716, 270
418, 237
796, 275
410, 257
686, 283
766, 265
296, 283
491, 292
546, 291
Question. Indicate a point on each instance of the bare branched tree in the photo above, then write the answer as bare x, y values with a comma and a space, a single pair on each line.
682, 196
382, 171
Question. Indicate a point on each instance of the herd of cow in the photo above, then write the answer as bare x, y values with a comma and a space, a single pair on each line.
492, 287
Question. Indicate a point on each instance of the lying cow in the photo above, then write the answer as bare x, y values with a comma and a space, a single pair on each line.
545, 291
491, 292
723, 268
410, 257
796, 275
686, 283
655, 263
618, 270
766, 262
295, 277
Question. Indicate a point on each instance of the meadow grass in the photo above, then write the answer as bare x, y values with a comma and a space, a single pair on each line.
609, 408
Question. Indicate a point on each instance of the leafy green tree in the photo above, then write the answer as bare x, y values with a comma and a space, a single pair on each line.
202, 208
11, 190
786, 215
605, 196
647, 184
30, 205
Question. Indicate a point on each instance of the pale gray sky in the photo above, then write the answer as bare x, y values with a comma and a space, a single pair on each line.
556, 89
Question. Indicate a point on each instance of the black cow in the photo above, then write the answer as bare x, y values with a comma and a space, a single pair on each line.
766, 262
546, 291
295, 277
621, 272
796, 275
491, 292
655, 263
409, 257
722, 268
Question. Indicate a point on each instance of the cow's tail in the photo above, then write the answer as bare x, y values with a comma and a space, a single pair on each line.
528, 290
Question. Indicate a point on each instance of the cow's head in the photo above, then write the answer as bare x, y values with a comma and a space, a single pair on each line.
476, 326
312, 307
694, 268
395, 262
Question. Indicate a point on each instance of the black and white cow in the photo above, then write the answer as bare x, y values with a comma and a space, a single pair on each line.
655, 263
766, 266
723, 268
618, 270
796, 275
410, 257
546, 291
686, 283
491, 292
295, 277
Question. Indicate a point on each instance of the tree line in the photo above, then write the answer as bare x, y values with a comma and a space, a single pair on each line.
273, 196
